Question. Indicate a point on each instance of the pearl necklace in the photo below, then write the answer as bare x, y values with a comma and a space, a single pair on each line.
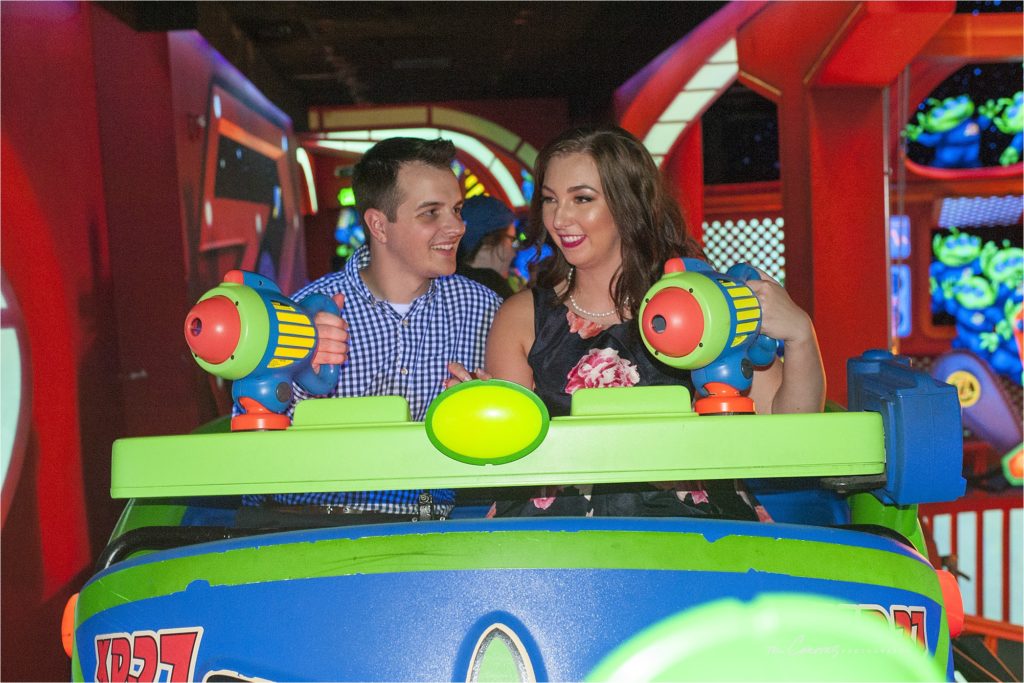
580, 309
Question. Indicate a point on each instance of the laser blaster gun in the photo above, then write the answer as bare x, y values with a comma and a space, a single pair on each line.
695, 318
247, 331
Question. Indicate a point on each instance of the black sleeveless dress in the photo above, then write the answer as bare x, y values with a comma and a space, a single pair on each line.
570, 353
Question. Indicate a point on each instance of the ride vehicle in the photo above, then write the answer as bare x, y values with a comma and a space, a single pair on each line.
181, 593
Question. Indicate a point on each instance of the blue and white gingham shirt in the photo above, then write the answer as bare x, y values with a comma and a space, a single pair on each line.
393, 355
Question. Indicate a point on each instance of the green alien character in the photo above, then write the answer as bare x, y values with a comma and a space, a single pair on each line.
956, 255
974, 293
1004, 266
1010, 121
957, 248
950, 127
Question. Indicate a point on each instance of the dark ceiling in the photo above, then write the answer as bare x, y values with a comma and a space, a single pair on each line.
313, 53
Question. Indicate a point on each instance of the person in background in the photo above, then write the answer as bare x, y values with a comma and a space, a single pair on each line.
488, 247
409, 317
603, 202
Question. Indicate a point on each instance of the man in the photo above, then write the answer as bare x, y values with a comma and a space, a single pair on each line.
488, 247
409, 316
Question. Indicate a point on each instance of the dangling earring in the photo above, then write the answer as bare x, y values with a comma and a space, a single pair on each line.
569, 278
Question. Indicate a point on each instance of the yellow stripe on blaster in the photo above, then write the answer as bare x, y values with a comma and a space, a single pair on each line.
738, 340
736, 292
747, 327
279, 363
745, 303
292, 318
305, 342
301, 330
745, 314
287, 352
281, 306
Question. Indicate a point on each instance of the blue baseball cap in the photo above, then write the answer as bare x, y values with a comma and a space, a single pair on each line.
483, 215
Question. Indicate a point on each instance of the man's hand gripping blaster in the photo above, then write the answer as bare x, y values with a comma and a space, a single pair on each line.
245, 330
697, 319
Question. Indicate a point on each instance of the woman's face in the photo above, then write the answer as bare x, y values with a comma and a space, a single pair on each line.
507, 246
576, 212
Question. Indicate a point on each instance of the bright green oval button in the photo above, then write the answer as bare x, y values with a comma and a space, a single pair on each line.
487, 422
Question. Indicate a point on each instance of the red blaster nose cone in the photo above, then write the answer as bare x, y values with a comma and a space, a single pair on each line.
213, 328
673, 323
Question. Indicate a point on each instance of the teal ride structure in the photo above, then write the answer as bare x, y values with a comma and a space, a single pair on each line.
837, 587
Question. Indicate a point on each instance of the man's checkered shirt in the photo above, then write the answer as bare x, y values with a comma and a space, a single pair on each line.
391, 355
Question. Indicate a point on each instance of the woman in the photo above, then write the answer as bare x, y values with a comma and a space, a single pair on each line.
603, 203
488, 247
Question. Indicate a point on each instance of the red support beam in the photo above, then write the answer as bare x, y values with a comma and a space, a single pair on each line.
848, 212
831, 90
977, 38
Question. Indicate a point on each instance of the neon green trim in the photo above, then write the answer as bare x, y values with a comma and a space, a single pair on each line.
76, 665
576, 449
455, 551
669, 399
144, 513
253, 337
865, 508
1007, 462
334, 412
942, 643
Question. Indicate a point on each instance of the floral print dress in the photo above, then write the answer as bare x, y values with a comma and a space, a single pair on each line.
571, 353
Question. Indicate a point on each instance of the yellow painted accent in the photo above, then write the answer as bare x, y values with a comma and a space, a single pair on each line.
736, 292
747, 327
282, 307
748, 314
968, 387
279, 363
293, 318
286, 352
302, 330
527, 154
305, 342
376, 117
442, 117
745, 303
738, 340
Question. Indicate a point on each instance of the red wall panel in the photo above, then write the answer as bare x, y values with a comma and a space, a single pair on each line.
54, 254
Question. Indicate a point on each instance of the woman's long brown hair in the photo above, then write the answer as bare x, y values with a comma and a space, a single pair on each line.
650, 224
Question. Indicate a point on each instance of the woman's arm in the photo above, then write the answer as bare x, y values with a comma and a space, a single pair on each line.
797, 384
511, 339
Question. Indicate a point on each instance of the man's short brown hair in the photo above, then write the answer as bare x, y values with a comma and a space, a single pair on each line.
375, 177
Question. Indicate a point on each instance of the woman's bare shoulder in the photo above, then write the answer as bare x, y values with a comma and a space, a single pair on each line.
519, 304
